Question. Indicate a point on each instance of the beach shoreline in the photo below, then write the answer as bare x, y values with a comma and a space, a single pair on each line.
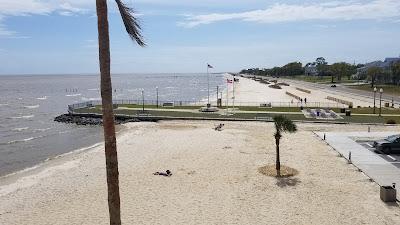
215, 174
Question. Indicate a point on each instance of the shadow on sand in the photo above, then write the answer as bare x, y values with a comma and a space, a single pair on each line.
287, 181
392, 204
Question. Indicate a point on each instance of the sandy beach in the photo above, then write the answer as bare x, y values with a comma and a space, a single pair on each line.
250, 92
215, 180
215, 177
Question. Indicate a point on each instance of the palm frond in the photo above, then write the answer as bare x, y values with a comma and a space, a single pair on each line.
283, 124
131, 23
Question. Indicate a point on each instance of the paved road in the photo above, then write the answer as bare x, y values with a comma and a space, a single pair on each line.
357, 94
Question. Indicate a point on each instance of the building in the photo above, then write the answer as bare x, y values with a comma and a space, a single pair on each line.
385, 65
311, 69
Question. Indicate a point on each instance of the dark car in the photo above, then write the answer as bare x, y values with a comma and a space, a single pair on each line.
388, 145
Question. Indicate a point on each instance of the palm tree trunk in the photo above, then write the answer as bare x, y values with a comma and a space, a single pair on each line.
108, 115
278, 161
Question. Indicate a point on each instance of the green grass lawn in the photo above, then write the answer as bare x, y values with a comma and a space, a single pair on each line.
318, 79
387, 88
367, 110
239, 115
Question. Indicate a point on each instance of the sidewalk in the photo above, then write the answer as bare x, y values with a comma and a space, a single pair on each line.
378, 169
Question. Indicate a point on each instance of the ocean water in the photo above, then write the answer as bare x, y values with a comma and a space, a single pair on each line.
28, 105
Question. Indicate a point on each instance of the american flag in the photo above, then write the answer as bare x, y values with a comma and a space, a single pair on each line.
209, 66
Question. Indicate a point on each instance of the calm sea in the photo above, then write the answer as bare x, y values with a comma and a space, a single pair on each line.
28, 105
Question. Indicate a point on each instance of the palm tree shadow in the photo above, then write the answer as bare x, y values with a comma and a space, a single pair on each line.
287, 181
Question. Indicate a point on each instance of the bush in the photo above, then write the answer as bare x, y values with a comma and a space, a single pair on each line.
391, 121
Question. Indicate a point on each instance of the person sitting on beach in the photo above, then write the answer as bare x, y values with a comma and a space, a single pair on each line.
166, 174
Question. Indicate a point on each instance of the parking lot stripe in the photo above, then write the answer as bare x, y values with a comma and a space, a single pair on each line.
369, 145
392, 157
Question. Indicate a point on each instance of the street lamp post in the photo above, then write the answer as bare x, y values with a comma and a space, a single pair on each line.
374, 98
157, 96
380, 101
143, 100
217, 92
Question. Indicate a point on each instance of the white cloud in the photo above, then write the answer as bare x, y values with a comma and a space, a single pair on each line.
39, 7
30, 7
335, 10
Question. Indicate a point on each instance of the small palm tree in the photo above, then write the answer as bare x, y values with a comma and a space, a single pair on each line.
133, 29
282, 124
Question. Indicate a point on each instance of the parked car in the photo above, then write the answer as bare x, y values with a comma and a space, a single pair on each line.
388, 145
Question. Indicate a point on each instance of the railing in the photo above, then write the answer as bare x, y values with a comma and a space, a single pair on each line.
95, 103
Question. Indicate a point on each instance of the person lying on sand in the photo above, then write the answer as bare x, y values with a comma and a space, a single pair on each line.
166, 174
219, 127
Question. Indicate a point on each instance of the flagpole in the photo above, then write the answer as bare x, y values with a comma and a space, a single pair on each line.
233, 101
227, 97
208, 87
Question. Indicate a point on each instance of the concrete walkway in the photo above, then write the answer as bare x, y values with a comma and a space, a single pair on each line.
381, 171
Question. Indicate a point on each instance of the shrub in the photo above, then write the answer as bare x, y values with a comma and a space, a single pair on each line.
391, 121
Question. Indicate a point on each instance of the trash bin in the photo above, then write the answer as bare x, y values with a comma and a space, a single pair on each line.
388, 194
348, 113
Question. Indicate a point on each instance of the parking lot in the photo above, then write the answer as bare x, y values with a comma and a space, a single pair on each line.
381, 168
394, 159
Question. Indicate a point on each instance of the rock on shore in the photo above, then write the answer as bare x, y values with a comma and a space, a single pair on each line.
88, 120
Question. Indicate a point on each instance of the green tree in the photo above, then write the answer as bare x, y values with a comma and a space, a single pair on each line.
293, 69
373, 73
396, 73
322, 66
282, 124
133, 29
342, 69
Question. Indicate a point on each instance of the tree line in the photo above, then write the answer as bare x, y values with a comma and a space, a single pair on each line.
338, 71
379, 75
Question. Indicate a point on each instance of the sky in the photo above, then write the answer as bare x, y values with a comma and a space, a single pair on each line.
60, 36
